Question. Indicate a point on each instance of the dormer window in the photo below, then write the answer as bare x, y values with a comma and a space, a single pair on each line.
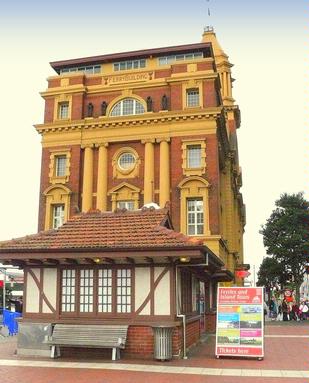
127, 107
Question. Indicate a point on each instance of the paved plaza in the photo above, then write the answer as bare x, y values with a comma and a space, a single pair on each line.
286, 360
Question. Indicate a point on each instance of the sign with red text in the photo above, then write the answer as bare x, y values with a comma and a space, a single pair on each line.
240, 322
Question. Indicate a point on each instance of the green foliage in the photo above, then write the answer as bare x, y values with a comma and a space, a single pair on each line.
270, 273
286, 237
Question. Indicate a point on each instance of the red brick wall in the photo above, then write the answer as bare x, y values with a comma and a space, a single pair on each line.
140, 340
73, 184
176, 97
210, 322
180, 68
53, 83
156, 95
77, 80
77, 107
205, 66
210, 94
97, 101
192, 333
140, 343
212, 174
163, 73
49, 110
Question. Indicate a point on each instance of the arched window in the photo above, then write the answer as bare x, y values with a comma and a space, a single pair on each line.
126, 107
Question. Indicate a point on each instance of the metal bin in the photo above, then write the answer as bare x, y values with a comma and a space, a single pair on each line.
163, 342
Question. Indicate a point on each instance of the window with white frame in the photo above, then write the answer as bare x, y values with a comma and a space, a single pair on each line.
166, 60
195, 217
126, 107
194, 156
193, 97
123, 291
60, 166
89, 69
68, 291
105, 291
63, 111
57, 216
95, 291
129, 205
86, 291
130, 64
126, 161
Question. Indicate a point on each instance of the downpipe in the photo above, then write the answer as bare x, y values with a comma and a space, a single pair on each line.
183, 319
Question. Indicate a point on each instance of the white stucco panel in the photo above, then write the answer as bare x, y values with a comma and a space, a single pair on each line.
142, 288
50, 288
162, 300
32, 293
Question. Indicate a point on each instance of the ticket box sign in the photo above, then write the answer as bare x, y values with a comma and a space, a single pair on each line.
240, 322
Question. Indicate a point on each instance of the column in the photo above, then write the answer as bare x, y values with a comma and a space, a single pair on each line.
229, 85
149, 171
164, 172
225, 84
87, 179
222, 84
102, 178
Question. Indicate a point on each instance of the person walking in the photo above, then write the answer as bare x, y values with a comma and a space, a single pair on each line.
285, 310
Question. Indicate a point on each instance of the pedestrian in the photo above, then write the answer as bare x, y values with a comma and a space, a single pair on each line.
273, 309
295, 310
285, 310
279, 316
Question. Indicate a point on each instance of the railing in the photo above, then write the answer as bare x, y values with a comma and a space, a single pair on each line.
9, 320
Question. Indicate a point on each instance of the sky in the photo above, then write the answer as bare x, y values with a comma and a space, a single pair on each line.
265, 40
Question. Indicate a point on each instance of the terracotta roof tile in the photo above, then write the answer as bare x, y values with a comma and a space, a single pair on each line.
138, 229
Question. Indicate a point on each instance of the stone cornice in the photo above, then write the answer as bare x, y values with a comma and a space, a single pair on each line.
137, 120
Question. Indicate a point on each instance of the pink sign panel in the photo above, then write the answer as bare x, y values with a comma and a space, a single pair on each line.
240, 322
240, 295
249, 333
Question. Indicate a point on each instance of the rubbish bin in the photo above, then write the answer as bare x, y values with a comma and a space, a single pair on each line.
163, 342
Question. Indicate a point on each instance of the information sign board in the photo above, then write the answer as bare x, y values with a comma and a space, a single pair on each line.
240, 322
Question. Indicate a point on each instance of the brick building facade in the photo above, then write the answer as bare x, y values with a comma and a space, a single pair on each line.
158, 128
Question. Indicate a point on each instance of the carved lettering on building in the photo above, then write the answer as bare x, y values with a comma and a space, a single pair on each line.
133, 77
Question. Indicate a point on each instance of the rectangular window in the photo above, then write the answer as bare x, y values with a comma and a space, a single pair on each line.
195, 217
129, 205
181, 57
91, 69
105, 291
86, 291
127, 65
194, 156
63, 110
60, 168
124, 291
193, 97
58, 216
68, 291
99, 291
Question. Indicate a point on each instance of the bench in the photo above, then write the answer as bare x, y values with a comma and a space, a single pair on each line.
93, 336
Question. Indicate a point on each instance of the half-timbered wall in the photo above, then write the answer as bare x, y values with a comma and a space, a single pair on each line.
151, 293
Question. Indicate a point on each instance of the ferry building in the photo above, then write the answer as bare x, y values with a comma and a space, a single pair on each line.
141, 214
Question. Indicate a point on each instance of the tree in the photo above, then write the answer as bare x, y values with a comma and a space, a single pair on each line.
286, 236
271, 273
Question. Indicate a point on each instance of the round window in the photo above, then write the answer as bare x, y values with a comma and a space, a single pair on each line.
126, 161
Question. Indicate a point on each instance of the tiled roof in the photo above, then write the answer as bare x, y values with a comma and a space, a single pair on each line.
138, 229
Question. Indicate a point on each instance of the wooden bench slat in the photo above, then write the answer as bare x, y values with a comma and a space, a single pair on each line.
100, 336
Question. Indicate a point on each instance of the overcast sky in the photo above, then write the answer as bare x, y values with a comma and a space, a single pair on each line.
265, 40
